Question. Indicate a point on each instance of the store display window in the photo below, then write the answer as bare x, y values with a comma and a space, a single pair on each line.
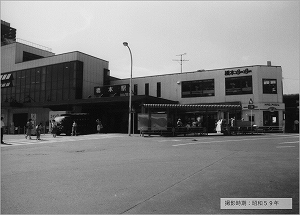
238, 85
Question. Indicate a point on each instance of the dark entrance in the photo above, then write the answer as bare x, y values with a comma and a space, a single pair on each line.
20, 120
271, 118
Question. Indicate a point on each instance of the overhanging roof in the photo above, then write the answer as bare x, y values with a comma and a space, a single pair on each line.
105, 100
196, 106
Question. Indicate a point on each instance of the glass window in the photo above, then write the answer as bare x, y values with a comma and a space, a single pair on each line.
22, 78
59, 95
198, 88
60, 76
49, 74
269, 86
37, 96
54, 76
3, 94
72, 94
147, 89
43, 96
238, 85
65, 94
158, 92
53, 95
135, 89
48, 95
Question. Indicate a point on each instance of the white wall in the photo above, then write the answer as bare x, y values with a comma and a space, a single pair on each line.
171, 85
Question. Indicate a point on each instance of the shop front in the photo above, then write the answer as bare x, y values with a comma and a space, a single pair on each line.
199, 115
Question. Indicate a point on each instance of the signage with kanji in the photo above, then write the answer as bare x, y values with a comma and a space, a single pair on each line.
114, 90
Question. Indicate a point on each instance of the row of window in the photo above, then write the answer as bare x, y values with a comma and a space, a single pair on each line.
203, 88
50, 83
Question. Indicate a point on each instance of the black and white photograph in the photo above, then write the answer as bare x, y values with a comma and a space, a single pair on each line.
150, 107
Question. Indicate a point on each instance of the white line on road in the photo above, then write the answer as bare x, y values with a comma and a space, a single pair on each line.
284, 146
289, 142
238, 140
19, 142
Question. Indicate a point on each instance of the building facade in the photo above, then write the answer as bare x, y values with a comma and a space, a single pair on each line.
258, 90
36, 83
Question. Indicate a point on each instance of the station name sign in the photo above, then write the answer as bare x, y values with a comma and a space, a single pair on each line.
114, 90
237, 72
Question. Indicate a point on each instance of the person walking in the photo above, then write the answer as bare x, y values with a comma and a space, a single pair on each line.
38, 131
74, 129
2, 130
53, 128
29, 126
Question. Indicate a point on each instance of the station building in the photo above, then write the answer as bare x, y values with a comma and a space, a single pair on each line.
38, 84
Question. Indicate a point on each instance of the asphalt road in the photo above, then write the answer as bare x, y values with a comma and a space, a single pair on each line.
115, 173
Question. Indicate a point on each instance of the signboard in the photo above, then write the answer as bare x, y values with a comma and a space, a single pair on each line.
114, 90
143, 121
237, 72
33, 116
158, 122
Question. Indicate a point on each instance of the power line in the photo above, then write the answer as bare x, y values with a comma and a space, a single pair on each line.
181, 60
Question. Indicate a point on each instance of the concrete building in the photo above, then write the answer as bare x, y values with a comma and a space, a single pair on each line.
37, 84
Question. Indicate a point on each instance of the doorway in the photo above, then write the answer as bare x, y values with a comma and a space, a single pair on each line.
271, 118
20, 120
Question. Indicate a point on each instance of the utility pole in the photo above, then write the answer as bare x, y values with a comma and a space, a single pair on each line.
181, 60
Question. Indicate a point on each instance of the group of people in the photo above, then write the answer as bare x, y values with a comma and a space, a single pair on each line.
39, 127
196, 123
29, 127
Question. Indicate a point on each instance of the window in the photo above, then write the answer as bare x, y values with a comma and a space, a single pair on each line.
135, 89
158, 92
269, 86
147, 89
251, 118
238, 85
29, 56
199, 88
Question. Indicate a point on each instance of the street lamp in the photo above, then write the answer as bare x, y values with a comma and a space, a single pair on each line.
129, 118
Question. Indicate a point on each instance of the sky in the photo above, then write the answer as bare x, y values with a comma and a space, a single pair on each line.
213, 34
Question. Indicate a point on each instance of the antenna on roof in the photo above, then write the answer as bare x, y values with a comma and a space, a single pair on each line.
181, 60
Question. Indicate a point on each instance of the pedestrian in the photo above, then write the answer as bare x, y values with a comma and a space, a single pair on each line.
53, 128
74, 129
2, 130
38, 131
179, 123
29, 126
99, 125
218, 128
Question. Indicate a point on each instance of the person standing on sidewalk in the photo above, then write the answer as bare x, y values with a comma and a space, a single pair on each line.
74, 129
53, 128
29, 126
99, 125
2, 130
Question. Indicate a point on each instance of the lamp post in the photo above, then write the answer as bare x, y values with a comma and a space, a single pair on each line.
129, 118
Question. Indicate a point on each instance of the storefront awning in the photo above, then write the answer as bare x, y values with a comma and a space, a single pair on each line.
196, 106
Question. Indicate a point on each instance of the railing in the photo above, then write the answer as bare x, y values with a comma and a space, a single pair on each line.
270, 129
252, 130
33, 44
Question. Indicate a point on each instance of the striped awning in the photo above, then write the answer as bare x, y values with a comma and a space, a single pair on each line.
6, 77
195, 106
